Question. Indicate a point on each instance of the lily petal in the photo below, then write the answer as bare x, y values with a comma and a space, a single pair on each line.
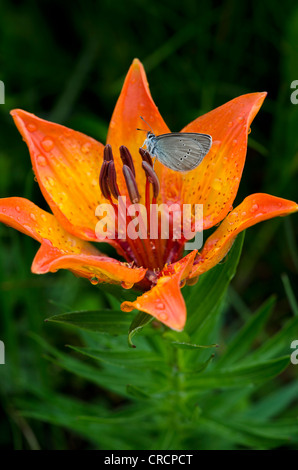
60, 249
67, 165
254, 209
165, 301
134, 101
100, 268
215, 181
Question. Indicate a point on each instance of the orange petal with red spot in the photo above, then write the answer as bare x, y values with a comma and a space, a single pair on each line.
165, 301
134, 101
60, 249
254, 209
215, 181
67, 165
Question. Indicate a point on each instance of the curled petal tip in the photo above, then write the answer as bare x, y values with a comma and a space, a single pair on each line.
165, 301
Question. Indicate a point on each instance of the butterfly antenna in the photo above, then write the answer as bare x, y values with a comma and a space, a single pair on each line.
147, 124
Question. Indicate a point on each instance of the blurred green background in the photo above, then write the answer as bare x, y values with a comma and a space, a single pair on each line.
66, 63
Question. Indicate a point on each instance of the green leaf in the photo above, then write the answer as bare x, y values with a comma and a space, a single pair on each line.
239, 376
129, 358
274, 403
136, 392
239, 346
253, 435
179, 345
106, 377
111, 322
141, 319
205, 298
277, 344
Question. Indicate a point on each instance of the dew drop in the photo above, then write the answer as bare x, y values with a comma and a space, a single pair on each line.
163, 317
51, 181
43, 217
249, 131
160, 306
47, 144
217, 184
94, 281
254, 208
127, 285
18, 209
31, 127
86, 147
41, 160
32, 216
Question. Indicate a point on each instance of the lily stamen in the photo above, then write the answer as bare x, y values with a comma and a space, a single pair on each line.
131, 184
112, 178
127, 158
103, 180
146, 157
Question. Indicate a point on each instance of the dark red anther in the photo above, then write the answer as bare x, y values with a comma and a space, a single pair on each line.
103, 180
131, 184
107, 153
146, 156
127, 158
112, 177
152, 178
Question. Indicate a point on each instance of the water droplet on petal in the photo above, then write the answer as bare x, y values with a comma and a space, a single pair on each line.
41, 160
163, 317
86, 147
254, 208
127, 285
94, 281
31, 127
18, 209
160, 306
43, 217
32, 216
217, 184
249, 131
51, 181
47, 144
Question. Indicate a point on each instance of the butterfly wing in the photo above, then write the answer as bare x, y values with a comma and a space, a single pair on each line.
182, 151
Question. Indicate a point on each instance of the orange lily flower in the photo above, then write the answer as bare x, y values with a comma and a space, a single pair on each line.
67, 165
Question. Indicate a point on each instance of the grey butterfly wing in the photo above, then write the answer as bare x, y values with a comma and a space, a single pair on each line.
182, 151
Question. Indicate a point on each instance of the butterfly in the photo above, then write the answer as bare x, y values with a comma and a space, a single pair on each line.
179, 151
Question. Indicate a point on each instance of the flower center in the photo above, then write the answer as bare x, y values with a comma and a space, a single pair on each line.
147, 242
